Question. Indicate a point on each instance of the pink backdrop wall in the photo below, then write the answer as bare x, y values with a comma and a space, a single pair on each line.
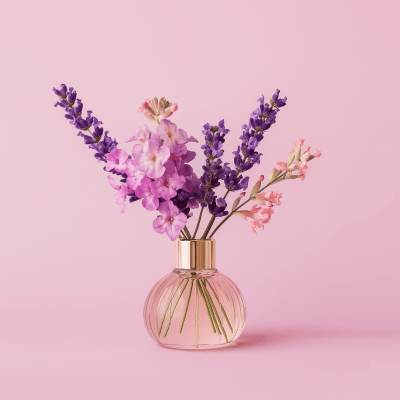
321, 282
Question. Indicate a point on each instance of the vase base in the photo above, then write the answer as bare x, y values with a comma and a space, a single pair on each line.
199, 347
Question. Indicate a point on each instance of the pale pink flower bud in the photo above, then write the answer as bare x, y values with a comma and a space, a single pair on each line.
237, 201
305, 156
272, 175
145, 105
293, 166
291, 158
255, 188
317, 154
165, 115
174, 107
140, 110
261, 178
154, 103
297, 152
148, 116
151, 111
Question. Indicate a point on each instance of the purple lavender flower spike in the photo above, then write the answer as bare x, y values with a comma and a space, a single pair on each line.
85, 123
233, 181
217, 207
261, 119
214, 169
97, 141
74, 112
62, 92
279, 102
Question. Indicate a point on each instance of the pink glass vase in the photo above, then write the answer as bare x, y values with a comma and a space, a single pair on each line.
195, 306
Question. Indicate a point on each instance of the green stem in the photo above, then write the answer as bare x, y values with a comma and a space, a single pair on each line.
208, 227
222, 307
212, 316
187, 232
166, 310
198, 223
208, 308
206, 292
176, 304
226, 194
187, 306
197, 314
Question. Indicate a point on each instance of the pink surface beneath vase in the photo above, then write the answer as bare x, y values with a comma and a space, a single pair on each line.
321, 282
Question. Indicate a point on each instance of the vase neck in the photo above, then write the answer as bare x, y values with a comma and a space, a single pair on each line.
195, 254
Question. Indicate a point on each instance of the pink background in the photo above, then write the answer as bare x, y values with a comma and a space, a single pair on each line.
321, 282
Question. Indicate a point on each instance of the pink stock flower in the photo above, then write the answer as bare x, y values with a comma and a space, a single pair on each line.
300, 167
297, 165
152, 159
141, 135
116, 160
303, 169
192, 183
268, 199
171, 135
256, 216
169, 183
134, 176
171, 220
123, 191
193, 139
179, 150
193, 203
281, 166
147, 191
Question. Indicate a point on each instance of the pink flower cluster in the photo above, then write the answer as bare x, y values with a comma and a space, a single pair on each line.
157, 110
156, 170
258, 216
296, 167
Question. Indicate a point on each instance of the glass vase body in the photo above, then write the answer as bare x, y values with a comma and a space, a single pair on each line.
195, 307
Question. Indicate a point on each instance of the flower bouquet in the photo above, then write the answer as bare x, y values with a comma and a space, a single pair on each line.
195, 306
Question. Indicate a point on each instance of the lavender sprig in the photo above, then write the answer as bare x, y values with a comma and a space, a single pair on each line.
246, 156
98, 140
214, 169
261, 119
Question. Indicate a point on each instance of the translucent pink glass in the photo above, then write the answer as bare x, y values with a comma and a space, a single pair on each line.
190, 309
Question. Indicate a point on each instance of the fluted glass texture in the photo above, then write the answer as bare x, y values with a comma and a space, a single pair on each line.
195, 310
